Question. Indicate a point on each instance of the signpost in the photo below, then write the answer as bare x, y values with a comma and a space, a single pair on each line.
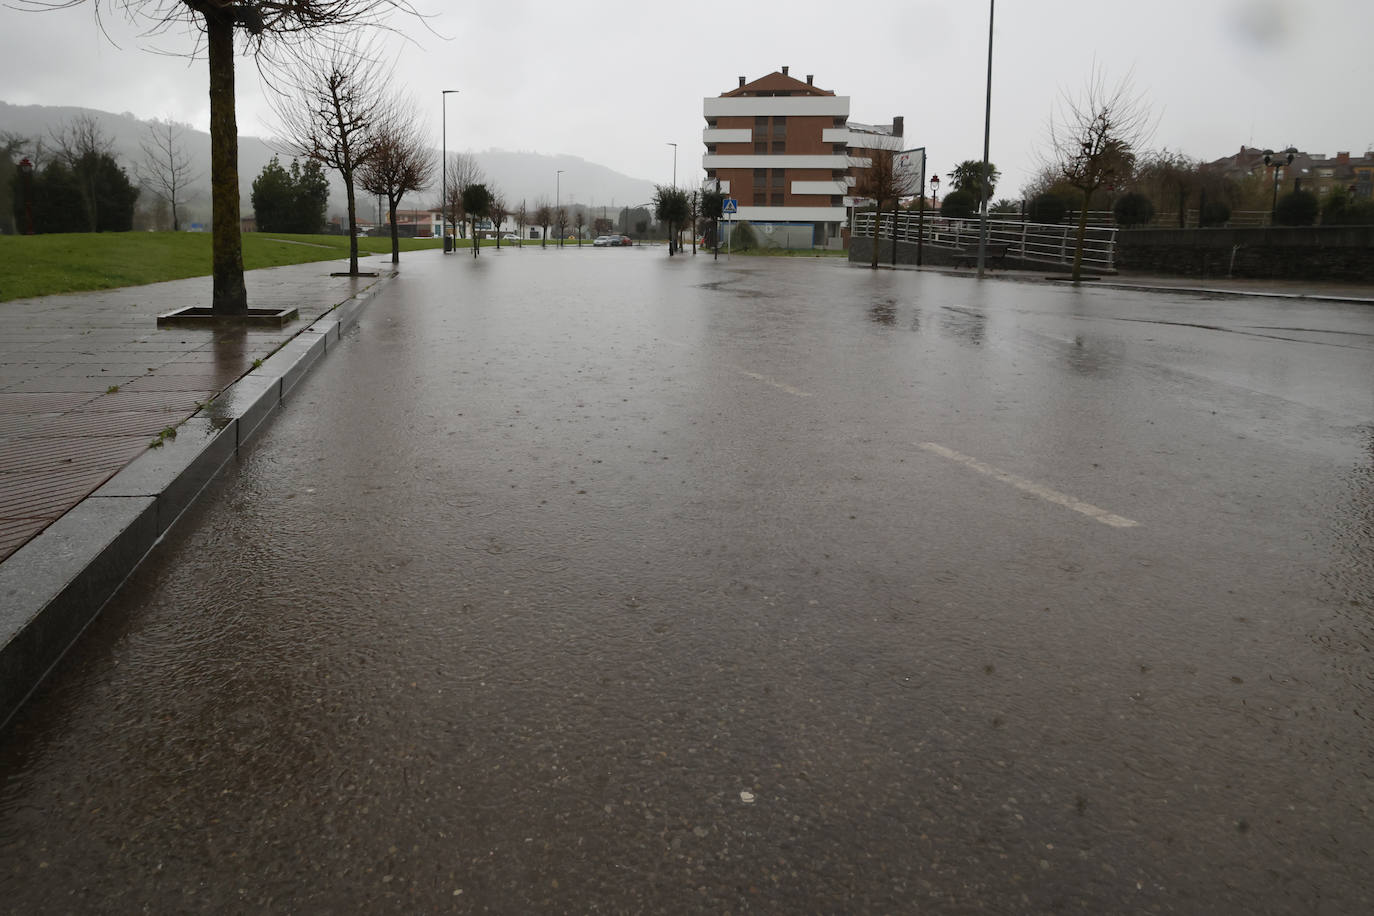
729, 207
909, 170
907, 165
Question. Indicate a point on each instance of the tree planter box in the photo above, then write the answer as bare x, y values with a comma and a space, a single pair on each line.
200, 316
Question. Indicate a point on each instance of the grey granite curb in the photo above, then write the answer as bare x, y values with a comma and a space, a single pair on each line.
56, 584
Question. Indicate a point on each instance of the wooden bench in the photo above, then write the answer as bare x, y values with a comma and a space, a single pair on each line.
995, 252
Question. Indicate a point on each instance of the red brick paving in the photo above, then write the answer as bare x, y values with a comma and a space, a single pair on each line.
64, 431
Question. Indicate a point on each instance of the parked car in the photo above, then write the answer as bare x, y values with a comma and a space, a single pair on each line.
509, 237
602, 241
626, 240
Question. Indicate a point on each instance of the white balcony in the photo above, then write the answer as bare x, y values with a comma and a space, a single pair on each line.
727, 135
720, 161
820, 187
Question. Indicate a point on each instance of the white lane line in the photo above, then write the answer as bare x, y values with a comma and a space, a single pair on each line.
1030, 486
774, 383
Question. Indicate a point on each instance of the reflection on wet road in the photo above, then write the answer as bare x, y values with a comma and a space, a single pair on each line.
599, 581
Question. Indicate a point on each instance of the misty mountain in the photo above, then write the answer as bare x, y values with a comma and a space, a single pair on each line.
518, 176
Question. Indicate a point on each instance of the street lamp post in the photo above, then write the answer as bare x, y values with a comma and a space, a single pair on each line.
558, 204
26, 170
987, 131
715, 222
921, 214
672, 242
443, 193
1276, 162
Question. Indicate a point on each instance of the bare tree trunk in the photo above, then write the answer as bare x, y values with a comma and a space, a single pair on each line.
1082, 231
877, 233
391, 205
352, 224
230, 296
895, 203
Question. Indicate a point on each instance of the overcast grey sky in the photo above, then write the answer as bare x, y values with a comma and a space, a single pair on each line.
597, 79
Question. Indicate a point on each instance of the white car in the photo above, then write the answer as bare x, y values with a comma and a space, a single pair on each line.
602, 241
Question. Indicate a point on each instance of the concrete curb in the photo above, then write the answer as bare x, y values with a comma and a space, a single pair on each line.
55, 585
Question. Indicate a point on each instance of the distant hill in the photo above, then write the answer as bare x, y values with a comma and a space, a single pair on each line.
518, 175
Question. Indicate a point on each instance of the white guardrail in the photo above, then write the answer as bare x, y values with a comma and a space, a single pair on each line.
1048, 243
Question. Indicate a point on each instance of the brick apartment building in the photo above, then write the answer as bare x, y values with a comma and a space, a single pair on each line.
787, 151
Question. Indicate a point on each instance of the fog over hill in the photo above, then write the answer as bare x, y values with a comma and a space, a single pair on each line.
519, 176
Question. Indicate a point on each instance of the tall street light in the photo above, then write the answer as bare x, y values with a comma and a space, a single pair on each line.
672, 242
558, 204
443, 194
1277, 162
987, 130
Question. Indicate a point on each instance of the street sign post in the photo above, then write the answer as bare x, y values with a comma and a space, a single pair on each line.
730, 207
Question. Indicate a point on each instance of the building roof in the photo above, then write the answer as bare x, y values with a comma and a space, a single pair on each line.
779, 82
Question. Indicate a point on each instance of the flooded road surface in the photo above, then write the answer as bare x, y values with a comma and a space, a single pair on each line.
602, 582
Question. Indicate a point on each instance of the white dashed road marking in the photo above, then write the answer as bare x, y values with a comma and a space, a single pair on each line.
1030, 486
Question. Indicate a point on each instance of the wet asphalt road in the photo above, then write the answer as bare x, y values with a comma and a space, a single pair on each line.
602, 582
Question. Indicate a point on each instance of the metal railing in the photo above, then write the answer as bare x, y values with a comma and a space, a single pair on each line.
1046, 243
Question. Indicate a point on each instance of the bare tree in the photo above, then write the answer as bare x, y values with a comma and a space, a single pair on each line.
561, 218
543, 215
579, 219
522, 218
266, 25
885, 182
11, 145
402, 163
1093, 140
498, 211
693, 213
334, 115
464, 172
78, 146
166, 167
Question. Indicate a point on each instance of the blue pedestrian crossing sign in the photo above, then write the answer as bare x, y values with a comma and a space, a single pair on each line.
731, 205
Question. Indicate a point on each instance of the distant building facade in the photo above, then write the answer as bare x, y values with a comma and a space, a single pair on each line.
1313, 172
787, 152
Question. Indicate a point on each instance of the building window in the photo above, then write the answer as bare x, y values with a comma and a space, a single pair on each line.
779, 146
839, 149
779, 178
761, 146
779, 128
838, 122
760, 175
777, 199
760, 198
761, 123
836, 200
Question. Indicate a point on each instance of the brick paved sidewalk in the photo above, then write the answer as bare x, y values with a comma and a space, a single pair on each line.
88, 380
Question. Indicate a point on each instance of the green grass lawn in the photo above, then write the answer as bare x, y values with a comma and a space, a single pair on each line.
43, 265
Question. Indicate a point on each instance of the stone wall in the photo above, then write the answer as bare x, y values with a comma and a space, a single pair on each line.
1309, 253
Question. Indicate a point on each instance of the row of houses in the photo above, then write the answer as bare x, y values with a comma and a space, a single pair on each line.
1313, 172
